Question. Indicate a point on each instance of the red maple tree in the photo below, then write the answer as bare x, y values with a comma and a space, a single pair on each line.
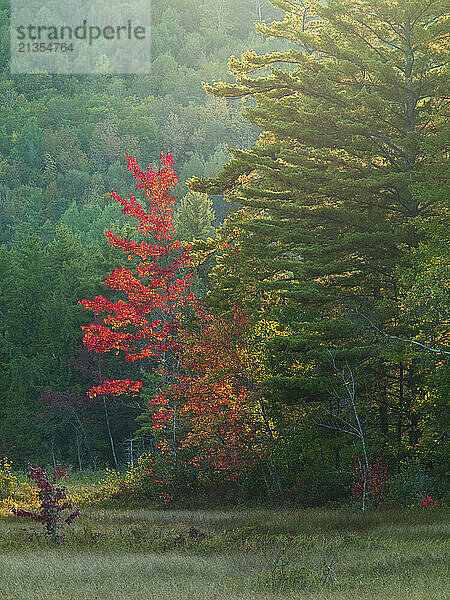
208, 395
144, 326
216, 397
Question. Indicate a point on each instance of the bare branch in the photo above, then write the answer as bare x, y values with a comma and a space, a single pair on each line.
400, 339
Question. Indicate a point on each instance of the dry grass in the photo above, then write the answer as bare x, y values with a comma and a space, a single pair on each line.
229, 555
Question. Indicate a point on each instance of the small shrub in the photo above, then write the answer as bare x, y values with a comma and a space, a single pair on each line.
150, 479
153, 475
429, 502
101, 492
53, 501
370, 484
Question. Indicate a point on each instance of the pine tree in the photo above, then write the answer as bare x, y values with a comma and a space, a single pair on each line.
194, 217
352, 153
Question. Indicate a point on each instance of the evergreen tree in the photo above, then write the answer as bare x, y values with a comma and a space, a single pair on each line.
352, 153
194, 218
29, 145
25, 367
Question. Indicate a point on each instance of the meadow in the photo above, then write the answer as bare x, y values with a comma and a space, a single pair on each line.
312, 554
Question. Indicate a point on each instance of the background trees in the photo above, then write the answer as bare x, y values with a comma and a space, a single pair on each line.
337, 236
66, 137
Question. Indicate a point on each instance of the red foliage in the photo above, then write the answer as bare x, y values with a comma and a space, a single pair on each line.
215, 397
53, 500
211, 396
145, 325
68, 401
370, 484
429, 502
115, 388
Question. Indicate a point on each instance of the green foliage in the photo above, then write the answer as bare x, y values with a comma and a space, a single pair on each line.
8, 479
29, 144
194, 217
331, 201
338, 231
40, 332
68, 137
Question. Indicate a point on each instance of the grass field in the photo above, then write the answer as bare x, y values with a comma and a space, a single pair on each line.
230, 555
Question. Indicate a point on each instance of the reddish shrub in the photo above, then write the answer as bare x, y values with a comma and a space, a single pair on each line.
53, 499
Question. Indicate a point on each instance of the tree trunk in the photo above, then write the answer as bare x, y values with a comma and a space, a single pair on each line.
108, 426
